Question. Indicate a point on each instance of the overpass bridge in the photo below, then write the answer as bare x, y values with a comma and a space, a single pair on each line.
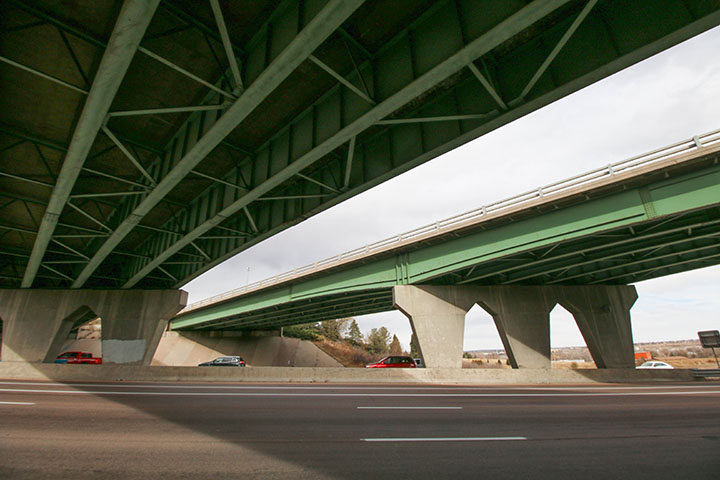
144, 143
644, 217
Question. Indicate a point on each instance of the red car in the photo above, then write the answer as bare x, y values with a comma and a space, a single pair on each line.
78, 357
394, 361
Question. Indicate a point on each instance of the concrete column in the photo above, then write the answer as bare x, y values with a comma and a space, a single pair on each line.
602, 313
62, 333
437, 317
522, 317
37, 321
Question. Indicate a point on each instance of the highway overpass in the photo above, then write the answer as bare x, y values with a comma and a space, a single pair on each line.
645, 217
144, 143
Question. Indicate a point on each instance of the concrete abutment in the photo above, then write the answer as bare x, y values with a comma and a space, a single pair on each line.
37, 322
522, 318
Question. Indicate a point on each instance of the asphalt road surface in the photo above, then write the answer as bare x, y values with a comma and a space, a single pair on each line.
228, 431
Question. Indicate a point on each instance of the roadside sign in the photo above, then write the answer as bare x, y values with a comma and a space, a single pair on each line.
709, 338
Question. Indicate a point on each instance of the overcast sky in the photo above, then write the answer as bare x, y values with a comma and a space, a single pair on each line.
667, 98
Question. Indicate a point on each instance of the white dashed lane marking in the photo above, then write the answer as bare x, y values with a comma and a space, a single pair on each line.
409, 408
445, 439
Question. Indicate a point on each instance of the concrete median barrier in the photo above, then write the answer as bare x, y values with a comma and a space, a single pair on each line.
21, 370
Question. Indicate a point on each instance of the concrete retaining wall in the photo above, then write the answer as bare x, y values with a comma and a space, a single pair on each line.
188, 349
333, 375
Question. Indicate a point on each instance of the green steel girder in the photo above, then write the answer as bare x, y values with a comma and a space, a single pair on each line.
534, 266
307, 140
662, 227
264, 71
308, 311
519, 56
130, 27
450, 37
601, 258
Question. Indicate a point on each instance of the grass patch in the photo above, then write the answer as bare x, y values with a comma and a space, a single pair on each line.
346, 354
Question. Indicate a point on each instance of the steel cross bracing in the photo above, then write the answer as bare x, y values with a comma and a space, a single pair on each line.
305, 42
458, 60
120, 51
130, 27
357, 109
324, 22
279, 151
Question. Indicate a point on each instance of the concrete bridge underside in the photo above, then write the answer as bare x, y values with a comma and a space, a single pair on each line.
123, 169
140, 154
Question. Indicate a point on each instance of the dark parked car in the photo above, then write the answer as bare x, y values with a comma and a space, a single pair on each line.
224, 362
394, 361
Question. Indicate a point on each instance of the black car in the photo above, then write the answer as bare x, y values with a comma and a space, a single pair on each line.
224, 362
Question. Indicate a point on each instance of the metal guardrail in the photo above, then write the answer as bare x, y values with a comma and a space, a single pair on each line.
705, 372
553, 189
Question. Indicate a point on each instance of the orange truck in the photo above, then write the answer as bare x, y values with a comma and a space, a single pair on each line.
643, 356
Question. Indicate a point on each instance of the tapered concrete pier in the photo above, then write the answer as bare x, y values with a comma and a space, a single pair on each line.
522, 317
37, 322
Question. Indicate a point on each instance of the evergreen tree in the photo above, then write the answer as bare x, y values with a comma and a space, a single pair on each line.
414, 346
395, 348
378, 340
354, 336
308, 331
333, 329
330, 330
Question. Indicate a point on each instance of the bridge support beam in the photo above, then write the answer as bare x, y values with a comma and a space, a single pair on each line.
37, 322
602, 313
437, 318
522, 317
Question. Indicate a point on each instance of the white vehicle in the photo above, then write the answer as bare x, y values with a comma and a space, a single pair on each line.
655, 364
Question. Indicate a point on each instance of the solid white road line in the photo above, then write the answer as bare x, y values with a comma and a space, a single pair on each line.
446, 439
16, 403
410, 408
366, 387
366, 395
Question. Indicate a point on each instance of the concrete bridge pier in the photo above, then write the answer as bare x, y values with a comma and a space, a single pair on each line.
437, 318
602, 313
522, 317
37, 322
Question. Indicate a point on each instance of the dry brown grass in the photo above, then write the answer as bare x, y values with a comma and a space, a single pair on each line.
485, 363
684, 362
346, 354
